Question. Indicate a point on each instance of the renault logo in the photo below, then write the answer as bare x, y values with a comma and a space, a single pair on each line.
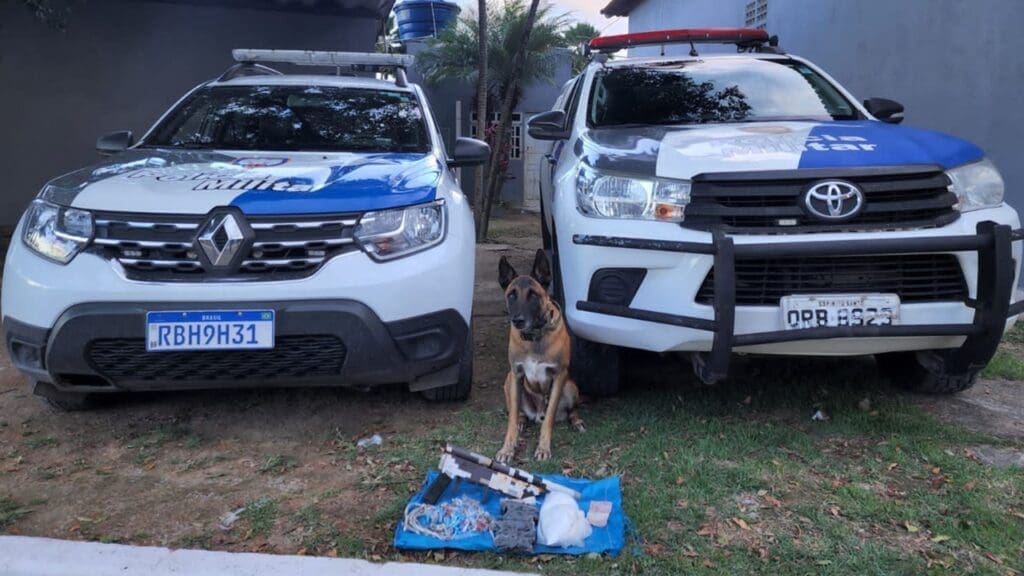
221, 239
833, 200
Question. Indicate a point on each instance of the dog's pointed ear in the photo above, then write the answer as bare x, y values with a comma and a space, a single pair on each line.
506, 273
542, 269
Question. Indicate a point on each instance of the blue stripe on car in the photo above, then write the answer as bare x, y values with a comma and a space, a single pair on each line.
373, 182
872, 143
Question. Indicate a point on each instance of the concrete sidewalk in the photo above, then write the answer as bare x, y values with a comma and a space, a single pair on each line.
25, 556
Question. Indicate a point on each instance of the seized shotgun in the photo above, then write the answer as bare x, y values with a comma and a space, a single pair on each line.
458, 463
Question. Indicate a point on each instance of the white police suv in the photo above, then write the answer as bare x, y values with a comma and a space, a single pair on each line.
747, 203
270, 229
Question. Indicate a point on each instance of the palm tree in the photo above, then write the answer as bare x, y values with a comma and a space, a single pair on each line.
456, 54
576, 38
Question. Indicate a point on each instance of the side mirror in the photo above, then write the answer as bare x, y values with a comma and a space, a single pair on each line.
469, 152
114, 142
885, 109
548, 126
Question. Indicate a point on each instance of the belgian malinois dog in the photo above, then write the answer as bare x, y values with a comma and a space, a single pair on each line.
538, 386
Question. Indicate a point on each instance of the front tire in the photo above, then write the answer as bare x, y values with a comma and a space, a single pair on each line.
460, 390
64, 401
596, 368
925, 371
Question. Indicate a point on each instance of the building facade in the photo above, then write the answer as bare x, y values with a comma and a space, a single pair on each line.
121, 63
454, 104
954, 64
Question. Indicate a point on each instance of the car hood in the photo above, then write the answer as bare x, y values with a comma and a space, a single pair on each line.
685, 152
194, 182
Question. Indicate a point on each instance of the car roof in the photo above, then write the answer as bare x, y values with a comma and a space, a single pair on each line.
662, 60
311, 80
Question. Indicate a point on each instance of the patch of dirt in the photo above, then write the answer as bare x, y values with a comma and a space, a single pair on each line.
994, 407
999, 457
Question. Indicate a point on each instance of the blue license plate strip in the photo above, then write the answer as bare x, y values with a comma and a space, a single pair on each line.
168, 331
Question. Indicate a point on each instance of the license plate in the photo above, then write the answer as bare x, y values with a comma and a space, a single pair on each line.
209, 330
800, 312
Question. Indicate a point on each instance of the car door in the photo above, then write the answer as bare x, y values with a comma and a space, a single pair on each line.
567, 102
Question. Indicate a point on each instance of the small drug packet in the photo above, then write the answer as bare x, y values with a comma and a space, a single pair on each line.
597, 514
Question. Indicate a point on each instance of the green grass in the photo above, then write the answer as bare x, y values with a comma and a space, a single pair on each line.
693, 457
11, 512
277, 465
318, 533
261, 514
146, 446
1015, 335
1005, 366
37, 442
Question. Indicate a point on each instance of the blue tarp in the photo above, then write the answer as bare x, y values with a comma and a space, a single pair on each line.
608, 540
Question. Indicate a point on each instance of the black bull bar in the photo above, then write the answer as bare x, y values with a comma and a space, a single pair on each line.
991, 305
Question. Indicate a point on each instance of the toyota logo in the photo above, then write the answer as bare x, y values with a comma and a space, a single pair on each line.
834, 200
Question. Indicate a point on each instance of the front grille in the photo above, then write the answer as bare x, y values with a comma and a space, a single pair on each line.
770, 202
126, 360
162, 247
914, 277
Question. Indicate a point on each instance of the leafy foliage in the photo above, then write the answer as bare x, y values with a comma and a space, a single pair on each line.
576, 37
454, 54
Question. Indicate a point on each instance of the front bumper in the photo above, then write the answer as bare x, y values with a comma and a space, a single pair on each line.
101, 348
993, 290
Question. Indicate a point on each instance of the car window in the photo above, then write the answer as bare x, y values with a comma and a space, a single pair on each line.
314, 118
714, 91
574, 98
563, 97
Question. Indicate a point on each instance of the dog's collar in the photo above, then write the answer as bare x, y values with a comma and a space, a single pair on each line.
537, 334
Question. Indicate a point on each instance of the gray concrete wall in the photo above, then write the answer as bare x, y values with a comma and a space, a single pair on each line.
120, 65
954, 64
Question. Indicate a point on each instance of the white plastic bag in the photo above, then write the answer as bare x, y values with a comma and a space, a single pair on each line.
562, 523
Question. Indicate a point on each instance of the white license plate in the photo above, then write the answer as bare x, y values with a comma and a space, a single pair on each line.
210, 330
800, 312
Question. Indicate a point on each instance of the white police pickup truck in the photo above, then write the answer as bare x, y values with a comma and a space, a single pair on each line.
270, 229
747, 203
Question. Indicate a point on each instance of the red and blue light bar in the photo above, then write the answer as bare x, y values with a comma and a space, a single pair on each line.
739, 36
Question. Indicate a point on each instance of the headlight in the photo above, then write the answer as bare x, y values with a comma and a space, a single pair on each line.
976, 185
56, 232
606, 196
390, 234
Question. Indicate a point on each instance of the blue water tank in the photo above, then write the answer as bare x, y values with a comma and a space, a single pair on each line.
422, 18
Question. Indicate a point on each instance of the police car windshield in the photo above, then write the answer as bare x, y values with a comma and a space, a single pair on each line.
714, 91
313, 118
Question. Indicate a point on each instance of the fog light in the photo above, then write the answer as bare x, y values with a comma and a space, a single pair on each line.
616, 286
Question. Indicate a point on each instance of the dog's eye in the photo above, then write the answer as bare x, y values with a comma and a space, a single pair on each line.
511, 296
531, 295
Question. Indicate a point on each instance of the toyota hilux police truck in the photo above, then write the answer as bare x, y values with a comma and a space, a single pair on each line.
746, 203
270, 229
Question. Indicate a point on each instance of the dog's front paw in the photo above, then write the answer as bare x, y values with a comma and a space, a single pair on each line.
579, 426
505, 455
542, 454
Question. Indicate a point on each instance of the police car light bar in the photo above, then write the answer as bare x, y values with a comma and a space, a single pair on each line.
742, 37
365, 61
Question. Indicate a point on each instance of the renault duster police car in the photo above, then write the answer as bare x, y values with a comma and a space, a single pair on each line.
747, 203
270, 229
